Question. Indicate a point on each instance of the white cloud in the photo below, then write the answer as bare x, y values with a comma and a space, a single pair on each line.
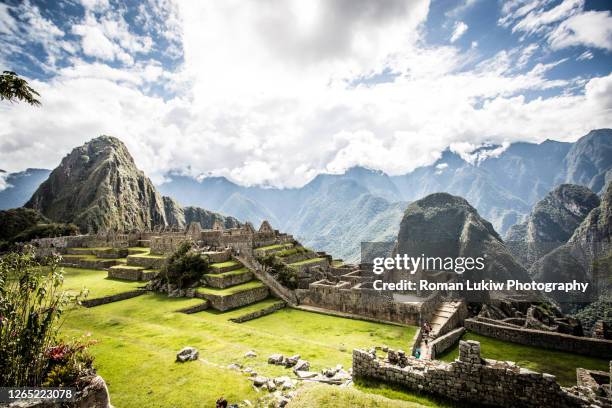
458, 31
591, 29
3, 183
269, 92
585, 56
526, 54
94, 41
535, 20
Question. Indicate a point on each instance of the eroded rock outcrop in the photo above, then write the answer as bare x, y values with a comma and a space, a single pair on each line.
551, 223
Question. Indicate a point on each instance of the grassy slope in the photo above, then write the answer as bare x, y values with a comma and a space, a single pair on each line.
97, 283
139, 338
558, 363
320, 395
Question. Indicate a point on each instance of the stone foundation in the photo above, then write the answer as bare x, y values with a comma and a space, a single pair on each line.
146, 262
469, 379
347, 298
222, 281
125, 273
233, 301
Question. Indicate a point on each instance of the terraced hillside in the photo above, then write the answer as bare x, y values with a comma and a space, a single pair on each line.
293, 265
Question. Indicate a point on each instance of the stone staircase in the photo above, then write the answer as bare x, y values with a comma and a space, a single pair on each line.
447, 316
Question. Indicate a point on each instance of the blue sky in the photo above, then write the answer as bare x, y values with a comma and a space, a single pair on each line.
275, 92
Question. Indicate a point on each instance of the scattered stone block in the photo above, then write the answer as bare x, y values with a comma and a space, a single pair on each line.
187, 354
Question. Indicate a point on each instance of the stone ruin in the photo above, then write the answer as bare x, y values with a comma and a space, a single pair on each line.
472, 379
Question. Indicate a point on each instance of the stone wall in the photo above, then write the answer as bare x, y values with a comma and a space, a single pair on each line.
259, 313
551, 340
468, 379
226, 280
443, 343
145, 261
113, 298
195, 309
455, 320
228, 302
125, 273
360, 301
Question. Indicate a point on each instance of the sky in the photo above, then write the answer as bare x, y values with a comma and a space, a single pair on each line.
274, 92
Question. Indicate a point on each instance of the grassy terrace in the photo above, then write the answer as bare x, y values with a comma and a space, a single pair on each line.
561, 364
138, 249
230, 273
276, 246
91, 249
127, 267
84, 256
220, 265
99, 285
147, 255
306, 261
139, 337
231, 290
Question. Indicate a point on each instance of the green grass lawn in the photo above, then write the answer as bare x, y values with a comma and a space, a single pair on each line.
139, 337
231, 290
558, 363
96, 282
320, 395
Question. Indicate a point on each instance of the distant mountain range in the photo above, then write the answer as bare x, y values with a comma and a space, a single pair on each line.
335, 213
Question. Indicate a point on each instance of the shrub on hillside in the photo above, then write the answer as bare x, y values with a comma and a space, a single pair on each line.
184, 267
16, 220
31, 306
25, 224
285, 275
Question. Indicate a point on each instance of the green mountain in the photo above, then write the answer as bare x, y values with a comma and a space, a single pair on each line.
443, 225
97, 186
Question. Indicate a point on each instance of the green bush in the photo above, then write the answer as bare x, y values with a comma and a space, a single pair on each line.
16, 220
288, 277
184, 267
285, 275
31, 306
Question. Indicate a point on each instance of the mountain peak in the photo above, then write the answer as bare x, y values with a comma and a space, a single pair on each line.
97, 186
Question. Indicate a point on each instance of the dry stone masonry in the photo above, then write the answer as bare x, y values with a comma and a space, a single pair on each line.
470, 379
